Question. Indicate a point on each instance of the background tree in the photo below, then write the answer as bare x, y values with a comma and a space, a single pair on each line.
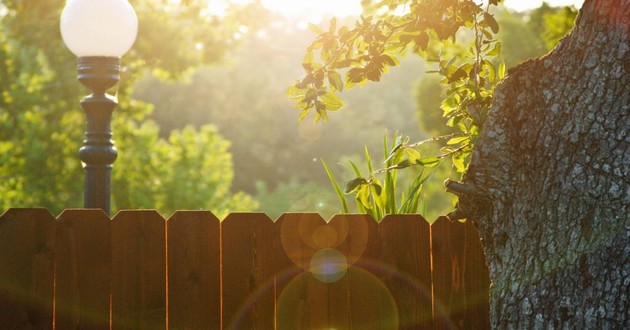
272, 156
41, 125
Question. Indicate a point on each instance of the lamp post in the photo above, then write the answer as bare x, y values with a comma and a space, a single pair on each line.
98, 32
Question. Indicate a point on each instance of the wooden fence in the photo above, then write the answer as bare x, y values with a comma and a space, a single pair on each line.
82, 270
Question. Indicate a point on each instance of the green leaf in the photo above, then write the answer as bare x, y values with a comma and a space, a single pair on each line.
376, 188
304, 113
331, 101
378, 194
355, 169
308, 60
458, 162
502, 70
340, 195
457, 140
496, 50
403, 164
389, 60
412, 154
334, 79
392, 154
492, 23
355, 75
363, 196
295, 94
429, 162
368, 160
422, 41
410, 200
457, 75
354, 184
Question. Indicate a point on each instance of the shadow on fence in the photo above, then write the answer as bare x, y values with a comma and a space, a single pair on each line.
82, 270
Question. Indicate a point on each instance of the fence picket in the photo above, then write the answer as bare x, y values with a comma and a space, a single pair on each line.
448, 241
194, 282
138, 271
26, 269
302, 300
249, 257
83, 268
357, 297
405, 268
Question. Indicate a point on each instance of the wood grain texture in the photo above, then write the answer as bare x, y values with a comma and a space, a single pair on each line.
26, 269
405, 268
83, 269
194, 287
249, 255
302, 300
138, 270
448, 247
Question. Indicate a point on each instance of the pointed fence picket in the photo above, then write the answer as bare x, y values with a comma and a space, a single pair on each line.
83, 270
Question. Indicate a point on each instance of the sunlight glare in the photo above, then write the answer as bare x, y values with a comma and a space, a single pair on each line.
520, 5
315, 9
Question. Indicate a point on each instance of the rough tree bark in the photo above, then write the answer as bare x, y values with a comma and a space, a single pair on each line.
549, 182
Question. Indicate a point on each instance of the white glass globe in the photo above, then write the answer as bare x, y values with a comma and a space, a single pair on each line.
98, 27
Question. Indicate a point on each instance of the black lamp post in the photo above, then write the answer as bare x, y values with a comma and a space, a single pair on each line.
99, 32
98, 152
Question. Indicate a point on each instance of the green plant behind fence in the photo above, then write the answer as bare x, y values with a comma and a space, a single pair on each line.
380, 197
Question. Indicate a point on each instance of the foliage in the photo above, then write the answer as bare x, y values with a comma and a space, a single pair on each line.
523, 35
429, 29
245, 100
41, 124
557, 24
367, 50
295, 195
380, 198
190, 170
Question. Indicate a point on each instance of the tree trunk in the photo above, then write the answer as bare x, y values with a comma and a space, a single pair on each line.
551, 180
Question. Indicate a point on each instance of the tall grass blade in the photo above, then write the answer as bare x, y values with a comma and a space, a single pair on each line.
340, 195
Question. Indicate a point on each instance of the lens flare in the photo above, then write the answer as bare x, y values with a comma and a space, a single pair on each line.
329, 265
308, 303
303, 235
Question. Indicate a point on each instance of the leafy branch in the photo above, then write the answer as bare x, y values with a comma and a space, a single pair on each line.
367, 50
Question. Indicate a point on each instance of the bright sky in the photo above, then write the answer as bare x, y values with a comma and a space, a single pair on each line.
317, 8
521, 5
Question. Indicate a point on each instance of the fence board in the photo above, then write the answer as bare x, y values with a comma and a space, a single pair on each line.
302, 300
448, 243
194, 287
138, 270
249, 262
26, 269
83, 268
405, 268
476, 282
357, 299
